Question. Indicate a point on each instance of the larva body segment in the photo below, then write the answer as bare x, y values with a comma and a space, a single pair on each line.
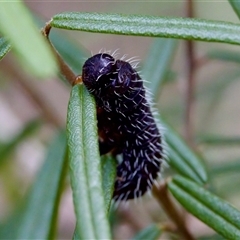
125, 123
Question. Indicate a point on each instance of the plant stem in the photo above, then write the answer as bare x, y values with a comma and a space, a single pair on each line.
66, 71
190, 56
162, 195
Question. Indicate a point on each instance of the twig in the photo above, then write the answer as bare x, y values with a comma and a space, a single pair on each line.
162, 196
201, 62
168, 227
66, 71
190, 54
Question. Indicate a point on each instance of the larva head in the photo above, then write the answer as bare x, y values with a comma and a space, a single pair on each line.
95, 70
112, 82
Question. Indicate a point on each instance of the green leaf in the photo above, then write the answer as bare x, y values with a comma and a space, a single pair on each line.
158, 62
210, 209
224, 55
183, 159
43, 202
152, 232
36, 219
109, 167
224, 168
9, 147
226, 183
178, 163
212, 237
236, 6
219, 140
85, 166
214, 91
32, 50
184, 28
4, 47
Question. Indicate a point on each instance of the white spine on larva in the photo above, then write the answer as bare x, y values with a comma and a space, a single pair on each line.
156, 118
161, 129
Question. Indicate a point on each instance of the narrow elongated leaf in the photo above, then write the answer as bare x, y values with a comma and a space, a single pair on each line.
158, 62
225, 168
213, 211
109, 167
85, 168
224, 55
214, 91
184, 160
227, 183
178, 163
212, 237
44, 198
37, 217
152, 232
219, 140
32, 50
184, 28
236, 6
4, 47
9, 147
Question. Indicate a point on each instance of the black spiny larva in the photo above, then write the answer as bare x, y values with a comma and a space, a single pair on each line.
125, 123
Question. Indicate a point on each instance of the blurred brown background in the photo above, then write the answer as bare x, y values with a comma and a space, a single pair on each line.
22, 100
